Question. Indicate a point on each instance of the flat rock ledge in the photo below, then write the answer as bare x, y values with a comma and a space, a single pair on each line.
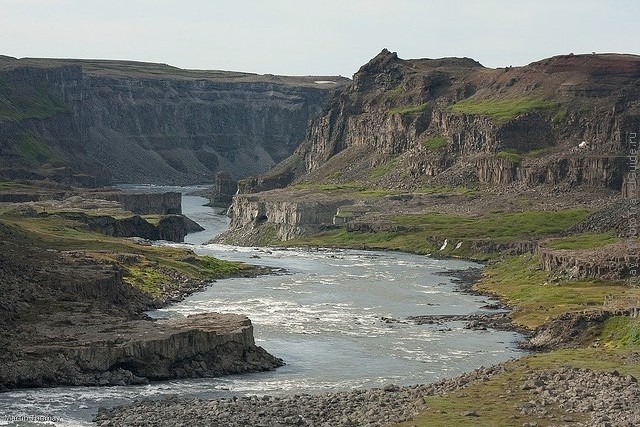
135, 352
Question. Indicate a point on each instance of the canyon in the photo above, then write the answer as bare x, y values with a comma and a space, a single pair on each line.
95, 122
530, 169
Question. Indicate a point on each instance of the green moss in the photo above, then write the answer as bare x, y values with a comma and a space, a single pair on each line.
496, 226
146, 273
34, 150
334, 175
17, 186
583, 241
560, 116
383, 169
424, 233
538, 152
521, 282
511, 155
435, 143
147, 279
347, 189
38, 105
267, 235
621, 332
410, 110
502, 110
462, 191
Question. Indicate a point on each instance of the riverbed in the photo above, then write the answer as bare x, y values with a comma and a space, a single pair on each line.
338, 319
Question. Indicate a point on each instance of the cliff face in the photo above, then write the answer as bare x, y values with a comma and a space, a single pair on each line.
560, 125
150, 123
205, 345
511, 125
284, 218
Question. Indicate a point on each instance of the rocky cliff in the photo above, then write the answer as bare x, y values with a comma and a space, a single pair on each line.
136, 352
509, 125
560, 127
149, 123
76, 317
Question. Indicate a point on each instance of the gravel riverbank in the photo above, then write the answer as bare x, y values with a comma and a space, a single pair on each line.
373, 407
562, 397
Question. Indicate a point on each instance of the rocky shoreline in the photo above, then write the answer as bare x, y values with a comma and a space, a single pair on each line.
70, 318
372, 407
587, 398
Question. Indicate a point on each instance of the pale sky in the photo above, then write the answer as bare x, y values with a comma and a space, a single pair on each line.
329, 37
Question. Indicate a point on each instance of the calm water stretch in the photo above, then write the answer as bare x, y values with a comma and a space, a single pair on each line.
325, 312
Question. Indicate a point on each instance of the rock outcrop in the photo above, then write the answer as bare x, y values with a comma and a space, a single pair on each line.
150, 123
172, 228
166, 203
561, 125
571, 330
511, 125
285, 218
612, 261
74, 317
134, 352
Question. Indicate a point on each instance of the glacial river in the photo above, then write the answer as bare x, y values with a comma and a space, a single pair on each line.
336, 317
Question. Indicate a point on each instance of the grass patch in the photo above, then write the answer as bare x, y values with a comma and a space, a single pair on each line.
496, 400
146, 273
461, 191
423, 234
410, 110
583, 241
334, 175
502, 110
496, 226
10, 186
147, 279
267, 235
33, 150
621, 332
347, 189
538, 152
435, 143
521, 282
38, 105
560, 116
383, 169
511, 155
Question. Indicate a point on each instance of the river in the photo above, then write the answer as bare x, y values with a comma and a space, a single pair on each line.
338, 318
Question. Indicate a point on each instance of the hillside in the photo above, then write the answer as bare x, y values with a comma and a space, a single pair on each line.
92, 122
451, 136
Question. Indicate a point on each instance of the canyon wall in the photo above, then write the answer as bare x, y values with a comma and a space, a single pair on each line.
151, 123
561, 124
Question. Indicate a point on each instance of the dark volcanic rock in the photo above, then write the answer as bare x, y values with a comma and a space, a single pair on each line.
69, 318
90, 352
152, 123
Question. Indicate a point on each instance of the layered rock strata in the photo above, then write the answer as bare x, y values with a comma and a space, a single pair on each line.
85, 351
150, 123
